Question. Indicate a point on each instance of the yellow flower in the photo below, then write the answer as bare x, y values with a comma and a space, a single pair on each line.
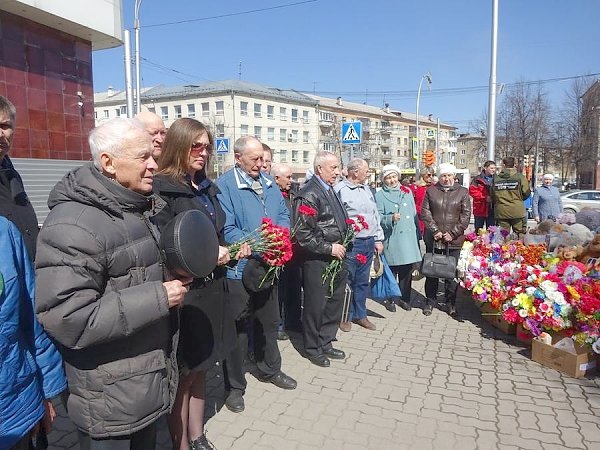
573, 292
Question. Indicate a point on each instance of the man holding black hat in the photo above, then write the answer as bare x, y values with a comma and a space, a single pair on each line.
247, 196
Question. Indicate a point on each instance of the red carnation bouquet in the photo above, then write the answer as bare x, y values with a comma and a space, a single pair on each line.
273, 244
334, 267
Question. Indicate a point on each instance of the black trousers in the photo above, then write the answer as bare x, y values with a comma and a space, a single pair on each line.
481, 221
290, 295
322, 314
404, 274
261, 309
144, 439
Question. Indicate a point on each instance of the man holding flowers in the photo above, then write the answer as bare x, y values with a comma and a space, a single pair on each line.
321, 227
362, 210
251, 201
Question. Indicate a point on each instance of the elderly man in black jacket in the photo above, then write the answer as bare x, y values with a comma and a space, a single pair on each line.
319, 237
100, 291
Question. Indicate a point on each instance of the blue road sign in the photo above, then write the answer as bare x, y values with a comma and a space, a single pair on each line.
351, 132
222, 145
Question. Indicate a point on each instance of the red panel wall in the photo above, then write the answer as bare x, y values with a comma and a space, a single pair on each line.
42, 71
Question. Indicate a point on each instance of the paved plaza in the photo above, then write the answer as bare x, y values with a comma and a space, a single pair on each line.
416, 383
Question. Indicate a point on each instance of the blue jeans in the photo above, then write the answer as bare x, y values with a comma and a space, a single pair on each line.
358, 276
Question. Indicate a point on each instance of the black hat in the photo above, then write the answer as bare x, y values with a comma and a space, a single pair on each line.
253, 276
189, 245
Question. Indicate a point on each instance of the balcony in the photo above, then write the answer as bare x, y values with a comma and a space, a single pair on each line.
325, 123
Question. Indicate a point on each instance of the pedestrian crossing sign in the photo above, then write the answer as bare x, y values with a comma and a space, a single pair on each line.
222, 145
351, 132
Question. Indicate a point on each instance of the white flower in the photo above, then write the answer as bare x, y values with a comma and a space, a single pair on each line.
522, 313
530, 290
515, 302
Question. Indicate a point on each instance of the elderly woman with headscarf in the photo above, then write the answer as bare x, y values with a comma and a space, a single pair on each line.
446, 213
547, 202
399, 221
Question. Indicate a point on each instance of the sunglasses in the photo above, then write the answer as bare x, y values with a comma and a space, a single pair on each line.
198, 147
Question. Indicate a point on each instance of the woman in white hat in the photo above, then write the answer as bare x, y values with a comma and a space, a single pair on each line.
399, 221
547, 202
446, 213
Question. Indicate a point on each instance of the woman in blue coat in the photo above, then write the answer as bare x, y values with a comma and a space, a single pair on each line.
31, 371
547, 202
399, 221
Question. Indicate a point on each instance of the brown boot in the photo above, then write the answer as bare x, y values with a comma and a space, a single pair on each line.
345, 326
365, 323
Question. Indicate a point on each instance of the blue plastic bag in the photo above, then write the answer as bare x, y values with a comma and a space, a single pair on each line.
385, 286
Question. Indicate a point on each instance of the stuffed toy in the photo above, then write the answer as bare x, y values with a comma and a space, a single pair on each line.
591, 251
590, 218
578, 234
569, 253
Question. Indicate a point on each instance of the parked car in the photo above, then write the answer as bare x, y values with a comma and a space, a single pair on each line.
574, 201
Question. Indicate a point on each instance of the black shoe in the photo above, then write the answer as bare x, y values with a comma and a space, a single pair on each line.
427, 309
389, 305
235, 401
320, 360
281, 380
452, 310
282, 336
404, 305
201, 444
334, 353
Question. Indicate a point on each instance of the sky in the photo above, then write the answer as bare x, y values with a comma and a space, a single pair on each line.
372, 52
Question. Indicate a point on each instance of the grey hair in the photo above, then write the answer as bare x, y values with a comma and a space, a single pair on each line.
356, 163
112, 135
7, 107
277, 169
241, 143
320, 158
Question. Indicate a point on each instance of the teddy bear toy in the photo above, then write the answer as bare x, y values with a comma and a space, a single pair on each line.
590, 218
569, 253
591, 251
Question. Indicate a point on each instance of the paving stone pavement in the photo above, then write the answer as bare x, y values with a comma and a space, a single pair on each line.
415, 383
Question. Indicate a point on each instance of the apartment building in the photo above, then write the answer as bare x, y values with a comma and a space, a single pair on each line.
294, 124
471, 152
588, 169
285, 120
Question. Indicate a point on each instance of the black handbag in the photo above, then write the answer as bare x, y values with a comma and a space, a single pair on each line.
439, 265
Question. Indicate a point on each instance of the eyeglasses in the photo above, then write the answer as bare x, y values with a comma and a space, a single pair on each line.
198, 147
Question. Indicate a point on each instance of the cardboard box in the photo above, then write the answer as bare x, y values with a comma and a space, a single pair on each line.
523, 335
574, 365
494, 317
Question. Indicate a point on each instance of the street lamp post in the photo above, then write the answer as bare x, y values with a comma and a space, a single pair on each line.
427, 77
136, 26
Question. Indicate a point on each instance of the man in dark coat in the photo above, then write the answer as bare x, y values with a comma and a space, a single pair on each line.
100, 291
14, 204
319, 236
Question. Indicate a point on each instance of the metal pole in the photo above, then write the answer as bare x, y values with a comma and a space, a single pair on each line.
417, 171
128, 87
136, 26
491, 142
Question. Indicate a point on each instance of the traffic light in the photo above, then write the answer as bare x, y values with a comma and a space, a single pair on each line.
428, 158
414, 148
527, 160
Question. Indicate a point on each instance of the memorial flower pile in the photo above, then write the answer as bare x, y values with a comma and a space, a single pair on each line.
532, 287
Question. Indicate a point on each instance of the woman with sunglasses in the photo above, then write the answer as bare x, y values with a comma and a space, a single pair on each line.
204, 325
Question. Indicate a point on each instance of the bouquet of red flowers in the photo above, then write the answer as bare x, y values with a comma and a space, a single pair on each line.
273, 244
334, 267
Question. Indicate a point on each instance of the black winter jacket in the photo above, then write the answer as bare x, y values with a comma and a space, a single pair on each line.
317, 234
100, 295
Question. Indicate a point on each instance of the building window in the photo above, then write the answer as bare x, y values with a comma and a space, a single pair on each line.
106, 113
412, 130
305, 137
95, 114
191, 110
326, 116
305, 157
257, 110
257, 132
305, 116
463, 152
164, 112
282, 135
219, 108
220, 130
177, 111
328, 146
270, 112
243, 108
283, 156
294, 135
205, 109
294, 115
282, 113
123, 110
270, 134
462, 161
118, 112
294, 156
244, 130
152, 110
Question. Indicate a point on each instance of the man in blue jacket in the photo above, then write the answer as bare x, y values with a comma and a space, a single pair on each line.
31, 371
247, 196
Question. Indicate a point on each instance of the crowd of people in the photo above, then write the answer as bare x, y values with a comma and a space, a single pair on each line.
106, 323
